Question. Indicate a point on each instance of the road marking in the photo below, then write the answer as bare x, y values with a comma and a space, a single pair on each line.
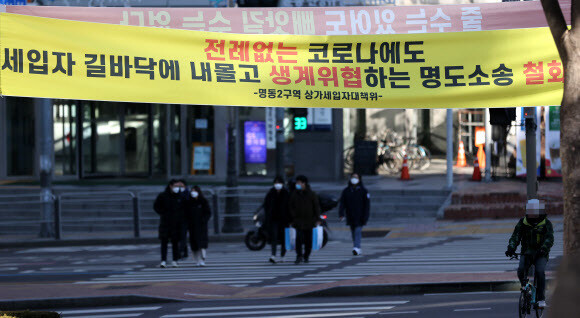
398, 313
396, 302
71, 312
110, 316
297, 316
286, 311
475, 293
472, 309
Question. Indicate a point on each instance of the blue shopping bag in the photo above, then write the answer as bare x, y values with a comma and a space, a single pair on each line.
290, 238
317, 238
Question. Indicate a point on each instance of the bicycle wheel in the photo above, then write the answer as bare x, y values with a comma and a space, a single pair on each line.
425, 159
539, 312
523, 305
349, 158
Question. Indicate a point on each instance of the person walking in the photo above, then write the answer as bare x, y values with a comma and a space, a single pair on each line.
277, 217
304, 210
355, 205
197, 214
169, 204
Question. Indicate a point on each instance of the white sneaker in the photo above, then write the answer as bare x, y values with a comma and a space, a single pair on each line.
356, 251
201, 263
542, 304
196, 258
174, 264
272, 259
163, 264
203, 253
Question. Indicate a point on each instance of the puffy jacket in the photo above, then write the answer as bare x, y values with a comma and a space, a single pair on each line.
532, 237
355, 202
304, 209
170, 207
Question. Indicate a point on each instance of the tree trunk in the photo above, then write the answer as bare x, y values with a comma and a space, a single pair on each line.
568, 45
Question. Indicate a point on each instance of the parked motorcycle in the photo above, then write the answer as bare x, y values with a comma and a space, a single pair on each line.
257, 238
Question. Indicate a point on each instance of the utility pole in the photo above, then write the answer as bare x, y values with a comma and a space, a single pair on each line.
280, 164
449, 123
531, 170
232, 222
46, 165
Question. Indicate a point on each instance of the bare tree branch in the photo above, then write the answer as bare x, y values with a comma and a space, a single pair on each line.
557, 24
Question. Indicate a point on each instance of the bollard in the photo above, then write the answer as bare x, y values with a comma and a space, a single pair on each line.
136, 217
57, 228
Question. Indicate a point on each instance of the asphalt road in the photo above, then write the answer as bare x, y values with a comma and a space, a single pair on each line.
497, 305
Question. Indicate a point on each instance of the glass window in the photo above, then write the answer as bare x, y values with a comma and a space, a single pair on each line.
65, 134
101, 138
201, 139
20, 137
159, 141
136, 138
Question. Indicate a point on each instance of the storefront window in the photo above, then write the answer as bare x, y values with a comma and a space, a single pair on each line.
136, 138
101, 138
20, 137
65, 134
201, 139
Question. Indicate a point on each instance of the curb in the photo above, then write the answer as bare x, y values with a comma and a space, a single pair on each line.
238, 237
124, 300
421, 288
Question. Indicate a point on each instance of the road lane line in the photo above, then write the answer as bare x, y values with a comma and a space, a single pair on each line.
371, 303
286, 311
298, 316
472, 309
92, 311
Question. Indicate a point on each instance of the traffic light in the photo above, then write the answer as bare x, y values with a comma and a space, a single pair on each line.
502, 116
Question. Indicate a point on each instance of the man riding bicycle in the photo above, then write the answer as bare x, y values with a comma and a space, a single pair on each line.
536, 234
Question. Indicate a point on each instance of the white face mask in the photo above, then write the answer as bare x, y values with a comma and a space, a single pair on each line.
175, 189
354, 181
194, 194
278, 186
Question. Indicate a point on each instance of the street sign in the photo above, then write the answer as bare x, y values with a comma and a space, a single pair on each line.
270, 128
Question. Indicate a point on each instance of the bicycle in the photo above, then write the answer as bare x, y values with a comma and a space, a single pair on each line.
527, 300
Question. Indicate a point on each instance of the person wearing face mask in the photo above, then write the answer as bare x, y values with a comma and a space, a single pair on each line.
170, 207
355, 204
197, 215
304, 209
277, 217
536, 235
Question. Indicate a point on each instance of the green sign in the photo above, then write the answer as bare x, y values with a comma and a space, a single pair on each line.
300, 123
554, 123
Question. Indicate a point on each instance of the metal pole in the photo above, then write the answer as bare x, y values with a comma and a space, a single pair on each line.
46, 141
531, 170
232, 222
136, 217
487, 146
449, 121
280, 164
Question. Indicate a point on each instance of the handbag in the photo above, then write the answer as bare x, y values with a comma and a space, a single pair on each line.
317, 238
290, 238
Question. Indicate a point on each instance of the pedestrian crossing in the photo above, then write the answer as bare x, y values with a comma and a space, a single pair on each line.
467, 255
109, 312
310, 310
241, 268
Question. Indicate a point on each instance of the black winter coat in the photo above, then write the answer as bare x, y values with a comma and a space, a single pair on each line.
197, 214
170, 207
276, 207
304, 209
355, 201
277, 216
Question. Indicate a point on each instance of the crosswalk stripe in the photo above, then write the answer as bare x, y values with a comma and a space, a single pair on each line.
318, 305
285, 311
91, 311
300, 316
110, 316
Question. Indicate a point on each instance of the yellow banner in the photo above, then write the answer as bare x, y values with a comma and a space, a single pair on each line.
62, 59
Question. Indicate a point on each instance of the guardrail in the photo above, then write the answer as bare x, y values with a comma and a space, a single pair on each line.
18, 221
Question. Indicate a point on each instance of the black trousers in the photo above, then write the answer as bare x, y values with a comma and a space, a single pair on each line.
174, 248
303, 238
526, 262
183, 241
276, 239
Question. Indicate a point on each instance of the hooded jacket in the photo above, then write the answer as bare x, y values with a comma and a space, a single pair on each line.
533, 237
355, 203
